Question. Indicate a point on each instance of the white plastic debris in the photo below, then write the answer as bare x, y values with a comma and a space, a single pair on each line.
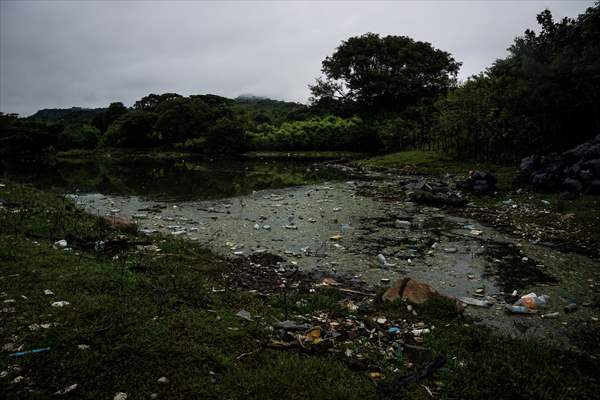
244, 315
163, 379
83, 346
420, 332
61, 244
59, 304
48, 292
66, 390
383, 262
402, 224
120, 396
475, 302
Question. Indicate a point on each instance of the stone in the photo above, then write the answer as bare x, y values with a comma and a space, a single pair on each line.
571, 186
529, 165
410, 290
544, 181
121, 223
594, 187
417, 354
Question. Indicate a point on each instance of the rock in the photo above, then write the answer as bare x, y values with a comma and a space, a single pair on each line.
544, 181
417, 354
410, 290
529, 165
572, 186
120, 396
437, 199
593, 166
292, 326
572, 171
594, 187
415, 292
122, 223
480, 182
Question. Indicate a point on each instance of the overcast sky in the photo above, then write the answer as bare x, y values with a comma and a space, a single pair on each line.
86, 53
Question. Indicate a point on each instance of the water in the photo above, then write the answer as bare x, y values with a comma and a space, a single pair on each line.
175, 179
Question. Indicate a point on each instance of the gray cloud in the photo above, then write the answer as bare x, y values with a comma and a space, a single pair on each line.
65, 53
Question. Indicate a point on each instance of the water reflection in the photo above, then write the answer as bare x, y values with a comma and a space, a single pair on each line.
171, 179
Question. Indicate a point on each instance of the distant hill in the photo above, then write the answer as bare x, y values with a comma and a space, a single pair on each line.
263, 109
73, 114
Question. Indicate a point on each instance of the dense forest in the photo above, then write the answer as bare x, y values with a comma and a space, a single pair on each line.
377, 94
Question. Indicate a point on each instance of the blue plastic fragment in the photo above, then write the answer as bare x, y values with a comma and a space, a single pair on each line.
393, 330
24, 353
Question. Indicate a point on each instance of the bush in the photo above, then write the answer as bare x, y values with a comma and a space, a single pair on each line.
81, 136
327, 133
134, 129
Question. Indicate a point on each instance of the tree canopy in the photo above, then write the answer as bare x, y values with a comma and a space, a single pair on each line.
384, 73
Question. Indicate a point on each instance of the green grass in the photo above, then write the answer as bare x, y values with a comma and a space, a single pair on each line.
147, 315
434, 163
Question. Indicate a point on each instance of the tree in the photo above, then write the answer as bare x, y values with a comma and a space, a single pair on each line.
78, 136
384, 73
181, 118
104, 119
226, 135
151, 102
134, 129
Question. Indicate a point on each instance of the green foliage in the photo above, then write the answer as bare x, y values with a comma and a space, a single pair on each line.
384, 73
26, 137
133, 129
543, 97
151, 102
80, 136
226, 135
181, 118
327, 133
72, 115
104, 119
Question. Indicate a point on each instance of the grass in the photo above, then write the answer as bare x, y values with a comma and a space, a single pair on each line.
145, 315
434, 163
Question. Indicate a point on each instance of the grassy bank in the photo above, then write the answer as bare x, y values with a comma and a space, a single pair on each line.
137, 314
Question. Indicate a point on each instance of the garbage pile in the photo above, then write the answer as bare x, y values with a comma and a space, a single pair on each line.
480, 182
434, 192
364, 338
573, 172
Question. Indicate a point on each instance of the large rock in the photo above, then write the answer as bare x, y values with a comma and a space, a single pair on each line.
545, 181
436, 199
594, 187
571, 172
593, 166
585, 151
529, 165
480, 182
410, 290
416, 292
121, 223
